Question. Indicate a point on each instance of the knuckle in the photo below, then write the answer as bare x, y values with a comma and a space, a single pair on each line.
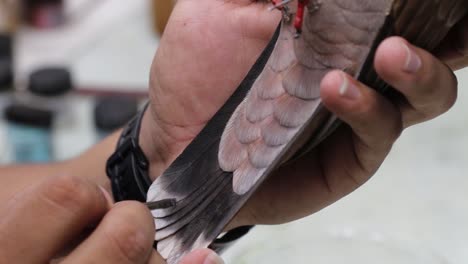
438, 91
127, 234
369, 107
395, 130
424, 82
443, 99
371, 113
70, 193
451, 93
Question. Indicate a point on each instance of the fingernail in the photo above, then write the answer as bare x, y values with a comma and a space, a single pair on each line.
107, 195
348, 89
413, 61
213, 258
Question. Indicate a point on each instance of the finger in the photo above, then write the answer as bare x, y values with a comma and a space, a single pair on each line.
429, 86
87, 231
204, 256
155, 258
40, 221
125, 235
375, 122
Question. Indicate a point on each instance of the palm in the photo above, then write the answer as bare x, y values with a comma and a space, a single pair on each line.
207, 49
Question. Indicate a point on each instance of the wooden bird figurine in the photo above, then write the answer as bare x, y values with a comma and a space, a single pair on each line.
276, 114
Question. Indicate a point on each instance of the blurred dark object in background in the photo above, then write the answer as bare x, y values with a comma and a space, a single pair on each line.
50, 82
44, 14
6, 75
29, 133
48, 89
6, 45
27, 115
8, 21
112, 113
6, 70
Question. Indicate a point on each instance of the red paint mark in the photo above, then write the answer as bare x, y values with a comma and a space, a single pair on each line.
299, 20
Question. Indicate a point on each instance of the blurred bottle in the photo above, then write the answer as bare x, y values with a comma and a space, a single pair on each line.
6, 70
6, 87
6, 82
44, 14
48, 93
29, 133
7, 25
112, 113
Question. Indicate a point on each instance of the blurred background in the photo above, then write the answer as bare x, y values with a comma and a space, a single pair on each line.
73, 71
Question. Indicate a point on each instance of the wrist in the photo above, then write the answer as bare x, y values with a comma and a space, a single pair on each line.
160, 142
152, 143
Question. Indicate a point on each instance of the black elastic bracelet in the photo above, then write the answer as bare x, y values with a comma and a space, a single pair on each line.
128, 167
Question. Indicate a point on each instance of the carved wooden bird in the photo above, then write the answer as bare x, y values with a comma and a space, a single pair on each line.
276, 114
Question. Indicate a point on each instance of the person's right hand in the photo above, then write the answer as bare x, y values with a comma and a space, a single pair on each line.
42, 222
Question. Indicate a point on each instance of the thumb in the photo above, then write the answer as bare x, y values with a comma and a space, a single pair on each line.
203, 256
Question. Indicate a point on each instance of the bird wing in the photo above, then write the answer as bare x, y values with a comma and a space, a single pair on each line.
285, 101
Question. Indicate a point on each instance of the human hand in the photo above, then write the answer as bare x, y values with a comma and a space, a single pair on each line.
208, 47
38, 223
193, 75
354, 153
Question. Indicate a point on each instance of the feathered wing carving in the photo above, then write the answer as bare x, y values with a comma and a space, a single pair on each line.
270, 120
276, 113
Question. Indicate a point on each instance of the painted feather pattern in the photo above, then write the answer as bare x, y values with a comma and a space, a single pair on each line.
294, 71
276, 114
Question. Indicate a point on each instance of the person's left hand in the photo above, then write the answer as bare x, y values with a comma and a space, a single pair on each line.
206, 51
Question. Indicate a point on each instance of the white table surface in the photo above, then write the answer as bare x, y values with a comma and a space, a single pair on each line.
415, 210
